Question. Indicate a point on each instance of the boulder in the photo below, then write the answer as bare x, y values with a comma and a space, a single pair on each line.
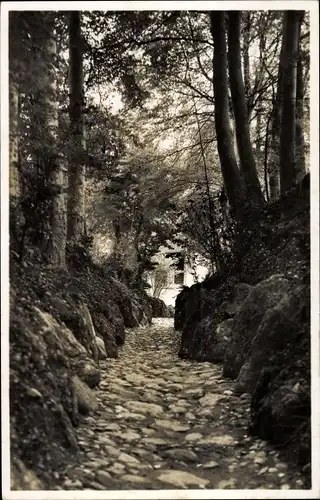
85, 397
135, 315
201, 299
64, 309
112, 314
147, 308
65, 425
71, 352
239, 293
209, 341
68, 312
23, 478
279, 328
160, 309
204, 309
185, 298
53, 334
262, 297
128, 306
141, 300
89, 374
281, 401
106, 331
223, 333
101, 348
42, 354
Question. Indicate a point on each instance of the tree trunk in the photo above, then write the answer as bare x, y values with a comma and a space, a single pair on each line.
258, 134
288, 175
300, 143
57, 172
274, 157
247, 160
14, 174
259, 105
230, 171
246, 59
14, 114
76, 158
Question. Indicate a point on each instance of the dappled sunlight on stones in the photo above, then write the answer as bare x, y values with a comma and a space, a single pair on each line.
210, 399
193, 436
171, 425
145, 408
166, 423
220, 440
155, 441
181, 479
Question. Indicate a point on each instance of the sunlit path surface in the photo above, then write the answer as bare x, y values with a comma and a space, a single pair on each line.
169, 423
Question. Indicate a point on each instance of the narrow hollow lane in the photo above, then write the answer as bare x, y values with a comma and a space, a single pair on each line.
167, 423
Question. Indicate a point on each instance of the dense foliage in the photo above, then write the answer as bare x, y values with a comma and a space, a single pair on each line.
121, 138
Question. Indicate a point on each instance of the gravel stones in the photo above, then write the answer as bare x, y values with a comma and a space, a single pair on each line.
181, 479
171, 425
145, 408
210, 399
182, 454
165, 423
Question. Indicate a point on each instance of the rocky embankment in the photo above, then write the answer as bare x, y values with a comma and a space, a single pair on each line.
254, 319
62, 325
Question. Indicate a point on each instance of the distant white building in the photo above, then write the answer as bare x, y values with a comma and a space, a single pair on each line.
173, 272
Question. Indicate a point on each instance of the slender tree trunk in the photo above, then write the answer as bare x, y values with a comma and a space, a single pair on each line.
14, 113
216, 254
234, 135
248, 164
15, 212
259, 107
266, 152
274, 157
258, 134
14, 175
57, 171
230, 171
300, 142
288, 175
246, 59
77, 146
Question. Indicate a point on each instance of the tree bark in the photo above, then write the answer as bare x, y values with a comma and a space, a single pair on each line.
288, 175
300, 142
230, 171
274, 157
57, 172
247, 160
246, 59
14, 174
259, 79
77, 139
14, 111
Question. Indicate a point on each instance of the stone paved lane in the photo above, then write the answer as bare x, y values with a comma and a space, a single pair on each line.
166, 423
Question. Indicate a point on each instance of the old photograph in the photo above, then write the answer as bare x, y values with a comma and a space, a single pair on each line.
159, 174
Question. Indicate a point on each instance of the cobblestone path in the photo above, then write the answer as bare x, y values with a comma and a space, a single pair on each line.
166, 423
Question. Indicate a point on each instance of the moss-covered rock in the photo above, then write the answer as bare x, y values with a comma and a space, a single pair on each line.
262, 298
